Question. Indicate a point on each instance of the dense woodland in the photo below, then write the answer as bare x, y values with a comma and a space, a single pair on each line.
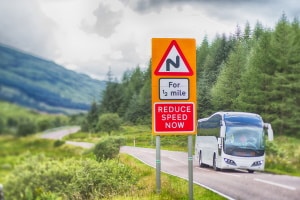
254, 70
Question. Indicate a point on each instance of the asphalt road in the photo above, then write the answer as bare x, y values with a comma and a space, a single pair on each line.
232, 184
58, 134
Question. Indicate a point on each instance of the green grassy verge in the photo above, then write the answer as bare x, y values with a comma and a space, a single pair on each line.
171, 187
283, 156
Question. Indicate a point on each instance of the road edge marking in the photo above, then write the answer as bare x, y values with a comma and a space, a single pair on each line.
275, 184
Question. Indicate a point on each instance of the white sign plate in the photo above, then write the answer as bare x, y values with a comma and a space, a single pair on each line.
173, 89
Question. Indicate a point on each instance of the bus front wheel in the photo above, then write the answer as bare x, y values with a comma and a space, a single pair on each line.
200, 160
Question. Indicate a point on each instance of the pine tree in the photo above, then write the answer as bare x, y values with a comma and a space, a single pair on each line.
217, 54
144, 99
92, 118
227, 87
201, 54
204, 107
247, 32
255, 81
282, 95
258, 31
270, 85
131, 87
111, 98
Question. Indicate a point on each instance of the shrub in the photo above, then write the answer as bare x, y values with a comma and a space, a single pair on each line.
58, 143
26, 128
12, 122
43, 124
108, 148
42, 178
1, 125
109, 122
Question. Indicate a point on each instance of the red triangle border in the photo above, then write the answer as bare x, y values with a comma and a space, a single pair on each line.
189, 73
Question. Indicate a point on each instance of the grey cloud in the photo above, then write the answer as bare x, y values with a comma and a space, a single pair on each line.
227, 11
23, 25
130, 57
98, 68
144, 6
118, 66
107, 20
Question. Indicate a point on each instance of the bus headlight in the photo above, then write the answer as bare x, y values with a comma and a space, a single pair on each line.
230, 162
257, 163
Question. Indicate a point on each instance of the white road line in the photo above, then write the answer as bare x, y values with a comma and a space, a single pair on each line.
276, 184
223, 173
203, 169
215, 191
185, 163
228, 174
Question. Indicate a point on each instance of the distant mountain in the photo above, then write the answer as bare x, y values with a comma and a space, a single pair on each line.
42, 85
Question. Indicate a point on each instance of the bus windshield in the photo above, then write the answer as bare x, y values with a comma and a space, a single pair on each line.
244, 138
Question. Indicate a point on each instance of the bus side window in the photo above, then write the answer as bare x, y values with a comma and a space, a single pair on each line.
214, 125
199, 128
210, 127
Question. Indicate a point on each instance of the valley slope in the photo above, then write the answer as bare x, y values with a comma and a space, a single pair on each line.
43, 85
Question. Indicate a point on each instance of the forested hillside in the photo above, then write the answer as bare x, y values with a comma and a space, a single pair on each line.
43, 85
254, 70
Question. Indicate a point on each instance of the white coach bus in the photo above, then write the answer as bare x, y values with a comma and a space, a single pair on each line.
232, 140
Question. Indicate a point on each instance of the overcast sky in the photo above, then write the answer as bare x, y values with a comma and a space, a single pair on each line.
89, 36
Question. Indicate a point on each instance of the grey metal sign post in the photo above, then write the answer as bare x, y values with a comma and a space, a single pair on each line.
158, 164
190, 166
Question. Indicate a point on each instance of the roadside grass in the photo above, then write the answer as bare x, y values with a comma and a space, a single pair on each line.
172, 187
283, 156
85, 137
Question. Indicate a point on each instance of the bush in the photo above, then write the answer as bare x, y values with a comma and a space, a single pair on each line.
41, 178
58, 143
283, 155
12, 122
109, 122
43, 124
26, 128
108, 148
1, 125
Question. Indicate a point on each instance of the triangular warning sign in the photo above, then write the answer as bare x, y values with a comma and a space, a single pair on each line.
173, 62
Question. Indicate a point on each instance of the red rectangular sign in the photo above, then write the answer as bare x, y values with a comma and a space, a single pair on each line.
174, 117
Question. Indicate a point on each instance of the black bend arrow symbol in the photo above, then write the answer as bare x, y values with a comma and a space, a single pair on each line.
171, 62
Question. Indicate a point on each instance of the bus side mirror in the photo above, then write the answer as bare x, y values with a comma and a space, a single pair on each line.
220, 143
270, 131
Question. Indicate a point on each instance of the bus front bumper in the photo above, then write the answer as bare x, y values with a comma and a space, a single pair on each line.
248, 163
